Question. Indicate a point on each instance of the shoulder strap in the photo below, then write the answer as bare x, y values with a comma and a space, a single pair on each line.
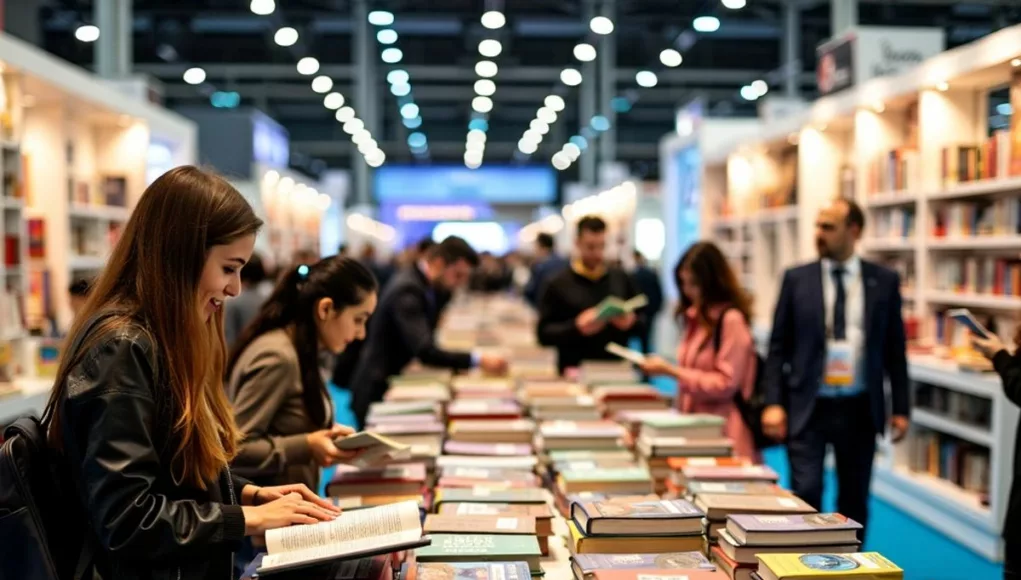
718, 330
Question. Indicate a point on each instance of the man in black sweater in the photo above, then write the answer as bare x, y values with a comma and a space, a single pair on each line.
567, 313
401, 330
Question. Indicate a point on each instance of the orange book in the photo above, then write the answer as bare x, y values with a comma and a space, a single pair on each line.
679, 463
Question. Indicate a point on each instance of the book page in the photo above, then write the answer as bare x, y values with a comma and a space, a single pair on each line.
338, 549
371, 524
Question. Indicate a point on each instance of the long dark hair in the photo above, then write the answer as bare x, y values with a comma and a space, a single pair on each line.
151, 279
716, 280
293, 303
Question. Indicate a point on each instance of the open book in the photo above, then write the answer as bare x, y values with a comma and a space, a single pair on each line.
625, 353
355, 534
375, 449
613, 307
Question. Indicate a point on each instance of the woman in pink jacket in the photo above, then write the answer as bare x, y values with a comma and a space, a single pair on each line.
707, 377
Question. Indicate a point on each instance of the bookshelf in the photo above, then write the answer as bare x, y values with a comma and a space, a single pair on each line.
940, 181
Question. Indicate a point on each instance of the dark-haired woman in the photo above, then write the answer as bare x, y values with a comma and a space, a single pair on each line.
275, 383
708, 376
1008, 366
138, 414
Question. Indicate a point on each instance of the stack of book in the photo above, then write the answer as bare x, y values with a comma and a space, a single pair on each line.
663, 437
619, 527
693, 565
470, 387
353, 488
483, 409
863, 566
418, 424
687, 473
581, 435
719, 506
606, 372
418, 391
632, 420
614, 397
748, 536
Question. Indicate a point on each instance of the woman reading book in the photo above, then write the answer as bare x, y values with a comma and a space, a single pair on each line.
711, 369
1008, 366
275, 383
138, 416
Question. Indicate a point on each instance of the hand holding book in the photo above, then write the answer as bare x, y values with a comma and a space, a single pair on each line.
324, 451
289, 509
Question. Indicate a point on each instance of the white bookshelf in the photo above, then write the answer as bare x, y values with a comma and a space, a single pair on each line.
890, 135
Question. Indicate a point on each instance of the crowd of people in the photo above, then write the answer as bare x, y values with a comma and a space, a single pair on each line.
190, 411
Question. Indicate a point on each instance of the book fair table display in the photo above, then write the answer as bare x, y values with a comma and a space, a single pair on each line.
534, 476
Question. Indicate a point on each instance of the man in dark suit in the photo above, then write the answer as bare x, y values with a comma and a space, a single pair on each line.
837, 334
647, 281
402, 328
547, 264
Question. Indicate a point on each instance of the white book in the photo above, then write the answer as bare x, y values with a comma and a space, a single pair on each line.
625, 353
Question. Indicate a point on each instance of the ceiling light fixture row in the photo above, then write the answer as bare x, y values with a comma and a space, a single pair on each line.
399, 81
485, 87
540, 125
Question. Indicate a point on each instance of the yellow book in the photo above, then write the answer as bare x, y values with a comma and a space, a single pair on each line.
860, 566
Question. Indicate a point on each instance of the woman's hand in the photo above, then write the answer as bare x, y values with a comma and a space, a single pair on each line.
267, 494
987, 346
324, 451
655, 365
284, 511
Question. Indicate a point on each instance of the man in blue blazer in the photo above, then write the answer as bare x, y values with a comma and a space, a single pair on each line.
837, 335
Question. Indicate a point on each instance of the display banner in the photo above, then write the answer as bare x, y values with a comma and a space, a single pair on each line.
867, 52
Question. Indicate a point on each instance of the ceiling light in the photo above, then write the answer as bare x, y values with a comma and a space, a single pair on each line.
375, 161
546, 115
646, 78
286, 36
195, 76
527, 147
706, 24
561, 161
398, 77
322, 84
734, 4
490, 48
1016, 62
400, 90
368, 146
482, 104
584, 52
381, 18
572, 151
760, 87
417, 140
485, 87
345, 114
570, 77
333, 101
532, 135
472, 164
943, 86
540, 127
473, 155
493, 20
392, 55
478, 124
361, 136
475, 146
477, 135
414, 123
554, 102
601, 25
486, 68
308, 66
748, 93
87, 33
386, 36
409, 110
580, 141
353, 126
670, 57
262, 7
600, 123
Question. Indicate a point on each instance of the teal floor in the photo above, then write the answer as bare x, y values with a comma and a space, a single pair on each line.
923, 553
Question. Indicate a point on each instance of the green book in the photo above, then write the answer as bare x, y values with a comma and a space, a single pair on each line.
607, 474
613, 307
568, 455
486, 495
482, 548
682, 421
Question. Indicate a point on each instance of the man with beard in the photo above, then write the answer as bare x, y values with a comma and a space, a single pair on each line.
837, 335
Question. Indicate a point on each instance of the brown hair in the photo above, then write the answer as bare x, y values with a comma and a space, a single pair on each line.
716, 280
151, 279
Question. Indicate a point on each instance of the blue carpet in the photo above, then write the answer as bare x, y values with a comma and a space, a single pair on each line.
922, 552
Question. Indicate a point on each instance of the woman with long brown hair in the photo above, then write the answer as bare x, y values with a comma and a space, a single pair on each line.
708, 376
138, 413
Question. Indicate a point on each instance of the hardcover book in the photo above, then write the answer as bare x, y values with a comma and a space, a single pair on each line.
482, 548
585, 565
473, 571
659, 575
454, 524
607, 480
527, 495
510, 462
736, 488
582, 544
718, 506
645, 518
870, 565
373, 448
749, 554
541, 512
792, 530
724, 473
354, 534
499, 449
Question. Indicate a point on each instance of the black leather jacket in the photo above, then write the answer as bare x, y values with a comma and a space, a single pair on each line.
116, 427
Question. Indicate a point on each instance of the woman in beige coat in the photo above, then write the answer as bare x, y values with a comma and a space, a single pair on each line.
275, 383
